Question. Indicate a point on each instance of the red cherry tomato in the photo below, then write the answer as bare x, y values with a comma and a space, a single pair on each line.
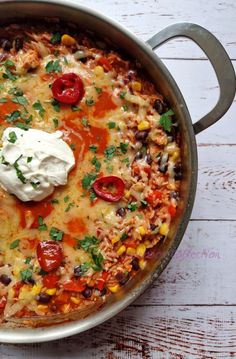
68, 89
50, 280
102, 184
154, 196
74, 285
49, 255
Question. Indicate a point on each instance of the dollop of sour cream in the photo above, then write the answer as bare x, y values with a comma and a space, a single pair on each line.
33, 163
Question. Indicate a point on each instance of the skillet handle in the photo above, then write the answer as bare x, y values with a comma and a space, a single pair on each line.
219, 59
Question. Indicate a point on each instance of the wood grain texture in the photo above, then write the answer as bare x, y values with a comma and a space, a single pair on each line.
190, 311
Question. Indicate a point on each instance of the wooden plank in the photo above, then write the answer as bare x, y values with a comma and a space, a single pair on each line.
162, 332
146, 17
198, 274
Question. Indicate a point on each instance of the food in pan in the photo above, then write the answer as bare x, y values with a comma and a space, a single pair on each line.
90, 170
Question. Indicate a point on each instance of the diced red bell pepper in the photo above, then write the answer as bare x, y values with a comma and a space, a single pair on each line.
172, 210
104, 63
102, 281
154, 196
50, 280
74, 285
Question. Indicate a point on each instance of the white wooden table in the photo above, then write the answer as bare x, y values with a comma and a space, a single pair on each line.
190, 311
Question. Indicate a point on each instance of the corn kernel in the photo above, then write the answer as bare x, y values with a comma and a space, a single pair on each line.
142, 230
136, 86
36, 289
175, 156
142, 263
140, 250
115, 239
98, 71
131, 251
127, 194
114, 288
51, 291
143, 125
67, 40
121, 250
164, 229
147, 243
42, 307
75, 300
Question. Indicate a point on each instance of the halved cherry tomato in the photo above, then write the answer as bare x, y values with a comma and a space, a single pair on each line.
49, 255
68, 88
172, 210
50, 280
154, 196
105, 63
74, 285
101, 282
101, 185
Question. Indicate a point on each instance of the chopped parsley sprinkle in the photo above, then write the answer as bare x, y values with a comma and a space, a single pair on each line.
125, 107
12, 137
29, 159
16, 91
38, 107
111, 125
165, 120
110, 152
92, 196
89, 101
93, 148
42, 226
97, 258
9, 63
96, 163
126, 161
26, 275
15, 244
122, 95
56, 38
109, 168
56, 122
56, 234
70, 205
8, 75
53, 66
21, 100
56, 106
132, 206
88, 180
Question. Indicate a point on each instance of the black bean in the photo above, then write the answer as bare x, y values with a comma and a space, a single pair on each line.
135, 264
53, 308
159, 106
148, 159
29, 281
6, 44
122, 277
153, 227
44, 298
178, 171
4, 279
131, 75
103, 292
87, 292
138, 156
121, 212
174, 195
141, 135
78, 271
19, 43
149, 254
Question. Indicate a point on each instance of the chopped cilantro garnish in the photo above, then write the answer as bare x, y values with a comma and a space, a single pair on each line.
42, 226
110, 152
98, 89
38, 107
53, 66
165, 120
132, 206
12, 137
35, 184
89, 101
56, 234
75, 108
55, 104
19, 172
96, 163
22, 126
123, 147
122, 95
54, 201
3, 100
56, 38
143, 202
85, 266
85, 121
70, 205
93, 148
92, 196
123, 236
88, 242
13, 116
9, 63
27, 260
126, 161
56, 122
125, 107
111, 125
97, 258
14, 244
66, 199
88, 180
8, 75
21, 100
29, 159
16, 91
26, 275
